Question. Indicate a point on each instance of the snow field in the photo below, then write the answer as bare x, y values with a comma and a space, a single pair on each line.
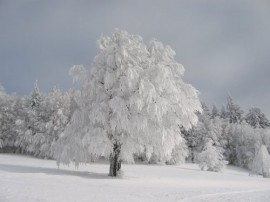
28, 179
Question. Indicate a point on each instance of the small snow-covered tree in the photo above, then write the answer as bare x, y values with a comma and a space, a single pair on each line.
21, 123
256, 118
35, 96
215, 112
38, 114
206, 111
246, 142
2, 91
196, 136
211, 158
265, 135
223, 113
32, 129
261, 162
56, 112
234, 113
207, 128
9, 114
6, 119
133, 100
48, 119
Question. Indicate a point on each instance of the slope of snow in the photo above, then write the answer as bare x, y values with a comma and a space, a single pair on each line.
28, 179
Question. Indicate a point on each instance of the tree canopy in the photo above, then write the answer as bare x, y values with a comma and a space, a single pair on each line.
134, 97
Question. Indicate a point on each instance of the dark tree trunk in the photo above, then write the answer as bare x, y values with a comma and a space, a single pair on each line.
115, 161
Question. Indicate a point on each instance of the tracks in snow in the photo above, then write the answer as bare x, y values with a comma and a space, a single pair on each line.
230, 196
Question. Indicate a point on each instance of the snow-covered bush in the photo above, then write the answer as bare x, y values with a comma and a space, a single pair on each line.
211, 158
261, 162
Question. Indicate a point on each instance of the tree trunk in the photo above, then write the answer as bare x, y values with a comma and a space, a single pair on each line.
115, 161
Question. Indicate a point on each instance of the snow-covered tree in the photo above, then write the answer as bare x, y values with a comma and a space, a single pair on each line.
133, 100
256, 118
234, 112
211, 158
215, 112
196, 136
31, 127
223, 113
246, 142
206, 112
265, 136
227, 141
56, 114
2, 91
35, 96
78, 73
9, 113
38, 114
21, 124
208, 127
261, 162
5, 119
48, 120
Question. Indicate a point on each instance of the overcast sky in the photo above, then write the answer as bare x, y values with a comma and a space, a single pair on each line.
223, 45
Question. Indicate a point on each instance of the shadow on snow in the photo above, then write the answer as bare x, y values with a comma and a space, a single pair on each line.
51, 171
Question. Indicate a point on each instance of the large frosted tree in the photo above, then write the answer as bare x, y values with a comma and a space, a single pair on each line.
133, 100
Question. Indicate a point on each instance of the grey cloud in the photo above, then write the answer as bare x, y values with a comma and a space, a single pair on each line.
223, 45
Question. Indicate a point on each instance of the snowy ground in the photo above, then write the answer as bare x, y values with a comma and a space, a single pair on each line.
26, 179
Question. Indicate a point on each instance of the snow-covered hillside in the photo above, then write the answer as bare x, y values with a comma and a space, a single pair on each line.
28, 179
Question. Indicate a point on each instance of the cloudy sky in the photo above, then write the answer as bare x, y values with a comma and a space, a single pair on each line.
223, 45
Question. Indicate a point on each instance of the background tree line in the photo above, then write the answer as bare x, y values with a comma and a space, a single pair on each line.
32, 124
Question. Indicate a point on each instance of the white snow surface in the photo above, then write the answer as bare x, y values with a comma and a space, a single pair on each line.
28, 179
